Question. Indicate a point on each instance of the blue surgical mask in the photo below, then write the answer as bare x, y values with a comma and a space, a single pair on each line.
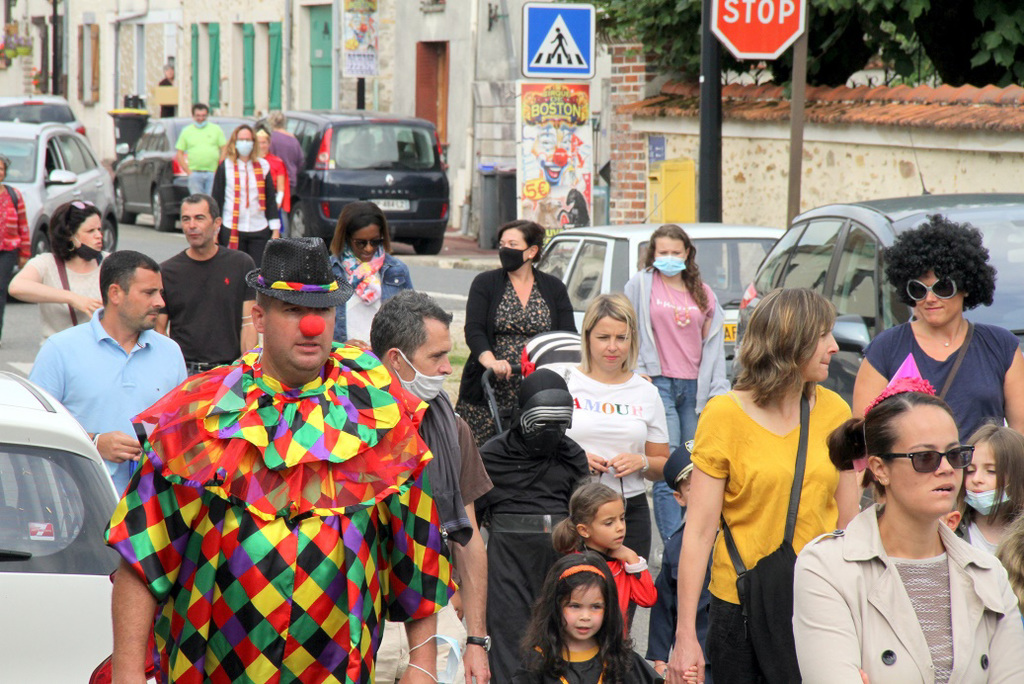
202, 124
670, 265
985, 501
243, 147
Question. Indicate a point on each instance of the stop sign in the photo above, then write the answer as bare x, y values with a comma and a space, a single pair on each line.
758, 29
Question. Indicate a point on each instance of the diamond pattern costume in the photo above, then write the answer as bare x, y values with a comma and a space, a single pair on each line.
277, 527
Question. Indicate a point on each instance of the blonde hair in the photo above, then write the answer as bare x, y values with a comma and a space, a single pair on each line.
229, 149
1007, 447
1011, 554
781, 337
617, 307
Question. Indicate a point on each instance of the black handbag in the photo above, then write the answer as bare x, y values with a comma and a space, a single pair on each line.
766, 590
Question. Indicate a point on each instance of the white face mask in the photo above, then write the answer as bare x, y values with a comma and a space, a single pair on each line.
426, 387
243, 147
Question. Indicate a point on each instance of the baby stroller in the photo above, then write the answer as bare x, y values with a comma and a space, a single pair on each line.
556, 350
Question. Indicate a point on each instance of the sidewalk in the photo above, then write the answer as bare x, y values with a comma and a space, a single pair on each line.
459, 251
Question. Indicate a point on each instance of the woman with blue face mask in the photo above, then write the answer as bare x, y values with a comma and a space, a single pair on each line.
993, 486
681, 344
244, 187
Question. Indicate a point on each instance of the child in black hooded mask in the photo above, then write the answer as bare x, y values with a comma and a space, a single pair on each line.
534, 468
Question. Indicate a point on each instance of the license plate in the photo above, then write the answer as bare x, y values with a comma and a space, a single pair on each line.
730, 332
392, 204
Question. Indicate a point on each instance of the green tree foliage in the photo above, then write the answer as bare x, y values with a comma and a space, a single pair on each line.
974, 42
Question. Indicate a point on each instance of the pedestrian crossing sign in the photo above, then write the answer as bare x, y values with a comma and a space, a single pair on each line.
558, 40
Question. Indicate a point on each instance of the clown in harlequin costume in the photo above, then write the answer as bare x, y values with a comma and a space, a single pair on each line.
278, 516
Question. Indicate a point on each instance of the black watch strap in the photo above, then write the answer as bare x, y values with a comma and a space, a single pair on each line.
484, 642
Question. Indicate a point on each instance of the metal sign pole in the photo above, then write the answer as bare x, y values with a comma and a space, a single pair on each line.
709, 184
796, 129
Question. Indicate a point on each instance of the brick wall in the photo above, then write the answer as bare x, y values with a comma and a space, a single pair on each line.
628, 157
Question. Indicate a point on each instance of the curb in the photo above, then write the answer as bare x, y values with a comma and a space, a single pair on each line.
462, 263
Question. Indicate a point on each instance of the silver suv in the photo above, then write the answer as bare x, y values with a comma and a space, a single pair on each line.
52, 165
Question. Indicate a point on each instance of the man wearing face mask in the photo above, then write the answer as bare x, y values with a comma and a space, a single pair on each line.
410, 335
535, 468
200, 148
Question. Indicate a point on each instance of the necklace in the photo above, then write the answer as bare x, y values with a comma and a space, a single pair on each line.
681, 314
955, 333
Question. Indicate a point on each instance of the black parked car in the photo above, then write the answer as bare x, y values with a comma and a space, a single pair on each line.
148, 179
393, 161
836, 250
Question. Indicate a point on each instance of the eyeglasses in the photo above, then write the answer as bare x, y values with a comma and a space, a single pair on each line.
928, 461
82, 204
361, 245
943, 288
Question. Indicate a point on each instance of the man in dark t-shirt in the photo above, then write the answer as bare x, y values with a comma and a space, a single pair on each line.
208, 304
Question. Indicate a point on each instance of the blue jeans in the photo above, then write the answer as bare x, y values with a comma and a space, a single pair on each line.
680, 399
200, 181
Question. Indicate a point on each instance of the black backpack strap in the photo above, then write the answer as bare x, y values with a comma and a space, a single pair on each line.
13, 194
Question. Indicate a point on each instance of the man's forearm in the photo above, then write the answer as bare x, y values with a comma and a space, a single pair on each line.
133, 607
423, 648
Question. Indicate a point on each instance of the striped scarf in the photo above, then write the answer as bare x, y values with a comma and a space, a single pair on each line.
240, 169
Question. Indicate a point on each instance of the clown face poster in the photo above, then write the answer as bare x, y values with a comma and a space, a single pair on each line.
359, 33
556, 154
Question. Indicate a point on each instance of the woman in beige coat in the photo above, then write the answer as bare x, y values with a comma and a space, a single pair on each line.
898, 597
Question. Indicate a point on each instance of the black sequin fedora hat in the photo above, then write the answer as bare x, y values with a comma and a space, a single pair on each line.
298, 271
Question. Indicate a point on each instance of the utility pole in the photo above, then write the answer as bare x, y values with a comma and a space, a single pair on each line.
57, 50
709, 183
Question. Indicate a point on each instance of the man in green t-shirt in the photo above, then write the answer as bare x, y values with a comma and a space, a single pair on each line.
200, 148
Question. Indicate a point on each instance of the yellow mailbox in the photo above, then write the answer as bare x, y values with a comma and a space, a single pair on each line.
672, 191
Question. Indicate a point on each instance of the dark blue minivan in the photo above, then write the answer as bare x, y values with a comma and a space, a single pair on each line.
395, 162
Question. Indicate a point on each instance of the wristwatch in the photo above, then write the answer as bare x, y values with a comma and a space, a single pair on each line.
484, 642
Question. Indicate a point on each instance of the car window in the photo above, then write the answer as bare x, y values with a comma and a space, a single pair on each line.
72, 154
584, 282
22, 154
558, 256
383, 146
37, 113
53, 161
54, 506
777, 259
158, 139
85, 153
305, 133
1003, 236
808, 267
856, 288
728, 265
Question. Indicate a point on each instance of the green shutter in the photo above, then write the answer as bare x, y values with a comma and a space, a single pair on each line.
248, 48
213, 29
274, 66
195, 63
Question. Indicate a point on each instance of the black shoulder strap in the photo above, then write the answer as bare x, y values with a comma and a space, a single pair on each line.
794, 492
959, 360
14, 195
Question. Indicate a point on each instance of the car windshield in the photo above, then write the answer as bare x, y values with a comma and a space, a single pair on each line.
54, 507
22, 154
727, 265
383, 146
1004, 239
40, 112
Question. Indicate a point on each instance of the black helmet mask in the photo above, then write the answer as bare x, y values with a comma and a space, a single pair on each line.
544, 413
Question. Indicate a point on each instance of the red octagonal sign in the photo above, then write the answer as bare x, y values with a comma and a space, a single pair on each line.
758, 29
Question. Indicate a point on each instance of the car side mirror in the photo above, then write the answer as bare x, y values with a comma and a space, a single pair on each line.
61, 177
851, 333
122, 149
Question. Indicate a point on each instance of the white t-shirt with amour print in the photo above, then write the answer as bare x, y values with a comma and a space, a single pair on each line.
612, 419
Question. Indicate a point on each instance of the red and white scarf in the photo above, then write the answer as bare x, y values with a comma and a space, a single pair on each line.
240, 187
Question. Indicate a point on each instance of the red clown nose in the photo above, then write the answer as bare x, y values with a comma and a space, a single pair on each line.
311, 325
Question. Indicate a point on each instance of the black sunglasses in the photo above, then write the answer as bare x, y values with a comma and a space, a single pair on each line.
928, 461
943, 288
360, 245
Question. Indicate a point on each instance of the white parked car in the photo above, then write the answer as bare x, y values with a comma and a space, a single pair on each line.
55, 501
598, 260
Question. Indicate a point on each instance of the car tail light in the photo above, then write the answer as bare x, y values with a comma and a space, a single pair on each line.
325, 209
176, 168
440, 152
749, 295
444, 210
323, 156
80, 129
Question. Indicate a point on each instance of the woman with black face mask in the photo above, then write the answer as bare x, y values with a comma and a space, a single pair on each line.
506, 307
65, 282
534, 468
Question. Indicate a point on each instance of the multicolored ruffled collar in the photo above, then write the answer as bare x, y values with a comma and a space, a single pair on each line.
344, 439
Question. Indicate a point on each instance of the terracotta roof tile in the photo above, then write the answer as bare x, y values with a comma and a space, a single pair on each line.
945, 107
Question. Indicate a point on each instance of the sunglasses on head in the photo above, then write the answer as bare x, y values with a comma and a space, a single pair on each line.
82, 204
928, 461
943, 288
360, 245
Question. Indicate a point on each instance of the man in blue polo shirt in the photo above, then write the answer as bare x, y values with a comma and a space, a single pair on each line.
107, 371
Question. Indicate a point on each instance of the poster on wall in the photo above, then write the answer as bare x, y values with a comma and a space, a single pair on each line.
556, 154
359, 36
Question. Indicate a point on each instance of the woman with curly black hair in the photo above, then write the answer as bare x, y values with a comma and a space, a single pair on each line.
941, 269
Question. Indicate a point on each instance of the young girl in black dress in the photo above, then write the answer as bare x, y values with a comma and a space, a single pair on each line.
575, 634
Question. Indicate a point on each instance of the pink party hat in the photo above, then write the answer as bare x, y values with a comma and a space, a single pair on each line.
907, 379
